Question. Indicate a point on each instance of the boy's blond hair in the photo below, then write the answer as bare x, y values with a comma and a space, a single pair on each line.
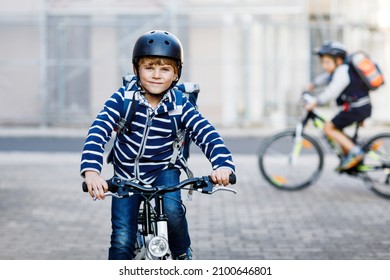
155, 60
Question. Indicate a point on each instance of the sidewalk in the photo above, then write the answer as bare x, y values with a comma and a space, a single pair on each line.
44, 215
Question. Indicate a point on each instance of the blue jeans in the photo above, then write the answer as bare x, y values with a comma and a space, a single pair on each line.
124, 214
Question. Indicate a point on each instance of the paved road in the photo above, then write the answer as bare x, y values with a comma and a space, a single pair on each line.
44, 215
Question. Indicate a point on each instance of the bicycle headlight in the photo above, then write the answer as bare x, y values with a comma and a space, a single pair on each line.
158, 246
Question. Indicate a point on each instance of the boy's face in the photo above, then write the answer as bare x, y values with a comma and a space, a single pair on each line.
156, 74
329, 64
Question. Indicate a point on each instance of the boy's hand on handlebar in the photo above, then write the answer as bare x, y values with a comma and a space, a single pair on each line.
310, 87
220, 176
96, 184
309, 101
310, 106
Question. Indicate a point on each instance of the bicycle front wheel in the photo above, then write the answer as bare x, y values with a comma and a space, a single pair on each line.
290, 163
376, 164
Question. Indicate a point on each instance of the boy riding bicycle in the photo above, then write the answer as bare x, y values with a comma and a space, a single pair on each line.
344, 85
144, 153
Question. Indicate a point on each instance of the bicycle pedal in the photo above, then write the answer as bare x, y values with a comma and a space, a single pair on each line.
350, 171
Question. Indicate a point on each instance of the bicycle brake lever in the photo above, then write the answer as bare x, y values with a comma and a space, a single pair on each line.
111, 194
114, 194
215, 189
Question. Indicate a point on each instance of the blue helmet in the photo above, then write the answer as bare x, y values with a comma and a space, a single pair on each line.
332, 48
158, 43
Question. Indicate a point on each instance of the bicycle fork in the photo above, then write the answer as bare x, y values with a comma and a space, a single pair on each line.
298, 142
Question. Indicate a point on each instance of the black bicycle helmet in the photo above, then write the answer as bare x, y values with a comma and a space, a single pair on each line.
332, 48
158, 43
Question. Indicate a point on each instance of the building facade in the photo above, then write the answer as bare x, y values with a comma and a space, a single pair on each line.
61, 59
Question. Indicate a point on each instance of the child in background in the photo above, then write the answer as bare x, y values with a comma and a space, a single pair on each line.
344, 85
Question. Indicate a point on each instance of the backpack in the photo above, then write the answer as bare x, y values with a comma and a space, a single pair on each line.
367, 69
183, 140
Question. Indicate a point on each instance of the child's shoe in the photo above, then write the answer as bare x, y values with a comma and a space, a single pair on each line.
352, 159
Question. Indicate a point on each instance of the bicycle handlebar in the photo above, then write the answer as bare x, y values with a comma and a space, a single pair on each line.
203, 184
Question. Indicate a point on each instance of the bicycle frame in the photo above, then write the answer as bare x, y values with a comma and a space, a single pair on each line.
319, 123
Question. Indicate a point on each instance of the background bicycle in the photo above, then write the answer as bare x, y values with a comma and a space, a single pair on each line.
292, 160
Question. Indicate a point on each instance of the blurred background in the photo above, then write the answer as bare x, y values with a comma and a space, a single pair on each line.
61, 59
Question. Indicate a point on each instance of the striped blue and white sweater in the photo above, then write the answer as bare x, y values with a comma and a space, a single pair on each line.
147, 150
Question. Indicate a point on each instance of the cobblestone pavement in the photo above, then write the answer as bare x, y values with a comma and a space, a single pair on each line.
44, 215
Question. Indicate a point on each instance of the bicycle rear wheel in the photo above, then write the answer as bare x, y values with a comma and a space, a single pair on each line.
376, 164
288, 163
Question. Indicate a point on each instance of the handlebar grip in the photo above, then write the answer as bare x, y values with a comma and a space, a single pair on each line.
232, 179
109, 183
85, 188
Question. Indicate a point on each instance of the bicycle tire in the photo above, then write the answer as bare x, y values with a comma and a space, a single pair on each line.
276, 150
375, 166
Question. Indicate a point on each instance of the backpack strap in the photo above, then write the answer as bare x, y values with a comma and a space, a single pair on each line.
181, 146
129, 105
175, 117
128, 111
128, 114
